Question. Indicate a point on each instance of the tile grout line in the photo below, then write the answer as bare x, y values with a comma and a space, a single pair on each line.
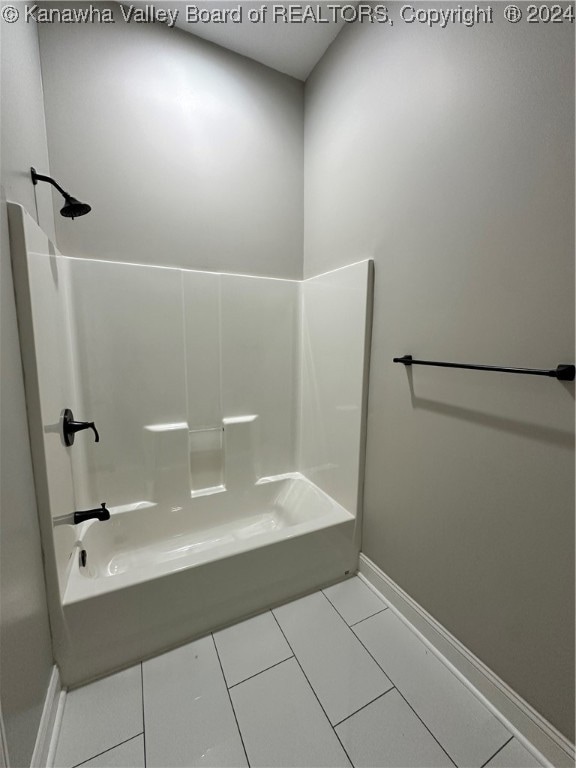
143, 715
230, 699
297, 660
497, 751
411, 707
394, 684
392, 688
359, 620
261, 672
77, 765
366, 617
349, 626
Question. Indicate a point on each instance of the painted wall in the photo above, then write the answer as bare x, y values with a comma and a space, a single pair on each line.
25, 645
190, 155
447, 155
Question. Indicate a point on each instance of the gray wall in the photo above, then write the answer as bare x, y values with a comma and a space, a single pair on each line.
25, 646
448, 157
190, 155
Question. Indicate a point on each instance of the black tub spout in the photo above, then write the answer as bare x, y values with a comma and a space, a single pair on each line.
100, 513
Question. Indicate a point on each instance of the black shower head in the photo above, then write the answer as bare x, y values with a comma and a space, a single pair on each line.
72, 208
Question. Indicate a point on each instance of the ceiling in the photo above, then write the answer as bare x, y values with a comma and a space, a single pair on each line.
293, 47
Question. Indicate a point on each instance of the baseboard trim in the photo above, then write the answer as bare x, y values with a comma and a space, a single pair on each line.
45, 747
541, 738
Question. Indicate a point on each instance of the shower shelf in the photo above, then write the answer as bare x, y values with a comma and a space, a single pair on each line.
562, 372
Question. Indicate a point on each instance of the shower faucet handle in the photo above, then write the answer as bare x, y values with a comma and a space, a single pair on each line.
70, 427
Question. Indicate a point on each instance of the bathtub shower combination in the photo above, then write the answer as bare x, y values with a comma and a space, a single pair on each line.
230, 412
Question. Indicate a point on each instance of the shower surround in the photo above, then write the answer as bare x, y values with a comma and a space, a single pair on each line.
231, 412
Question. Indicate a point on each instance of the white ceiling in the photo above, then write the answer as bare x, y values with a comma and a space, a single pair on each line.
293, 48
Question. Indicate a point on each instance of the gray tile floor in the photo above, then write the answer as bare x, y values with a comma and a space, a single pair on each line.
332, 679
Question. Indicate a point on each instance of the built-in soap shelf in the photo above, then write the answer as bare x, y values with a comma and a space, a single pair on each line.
207, 491
183, 462
206, 461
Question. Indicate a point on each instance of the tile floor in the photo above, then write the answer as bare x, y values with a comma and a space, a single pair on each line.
333, 679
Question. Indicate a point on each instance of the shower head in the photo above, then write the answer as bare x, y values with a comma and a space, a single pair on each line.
72, 208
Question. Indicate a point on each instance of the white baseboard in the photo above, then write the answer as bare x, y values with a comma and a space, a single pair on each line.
45, 747
544, 741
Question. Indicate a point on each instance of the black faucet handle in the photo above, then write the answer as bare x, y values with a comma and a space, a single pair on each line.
70, 427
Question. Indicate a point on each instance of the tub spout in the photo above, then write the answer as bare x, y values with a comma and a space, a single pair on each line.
100, 513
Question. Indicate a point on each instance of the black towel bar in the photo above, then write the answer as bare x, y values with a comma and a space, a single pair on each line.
562, 372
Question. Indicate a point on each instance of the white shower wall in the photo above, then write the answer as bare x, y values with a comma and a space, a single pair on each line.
130, 365
336, 325
163, 356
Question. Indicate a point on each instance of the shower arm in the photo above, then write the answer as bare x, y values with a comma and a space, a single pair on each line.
36, 177
72, 208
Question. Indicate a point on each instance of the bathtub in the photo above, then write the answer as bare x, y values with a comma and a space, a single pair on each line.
157, 576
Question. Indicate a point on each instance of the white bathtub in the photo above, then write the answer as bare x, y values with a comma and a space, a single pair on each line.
156, 577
